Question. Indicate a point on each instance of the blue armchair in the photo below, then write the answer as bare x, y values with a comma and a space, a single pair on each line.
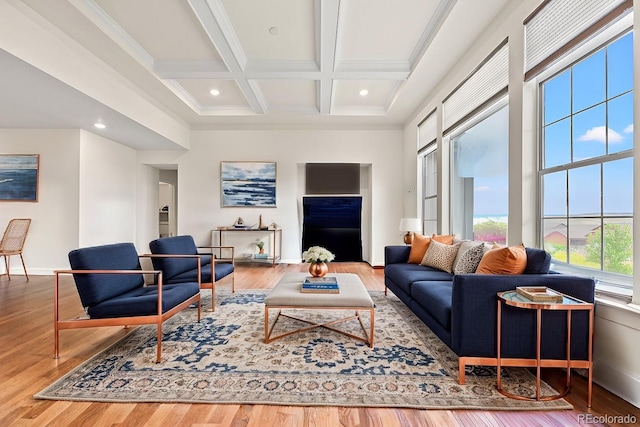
185, 267
112, 290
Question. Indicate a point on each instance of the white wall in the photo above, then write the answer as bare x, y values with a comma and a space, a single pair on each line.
147, 221
54, 218
107, 191
200, 210
91, 191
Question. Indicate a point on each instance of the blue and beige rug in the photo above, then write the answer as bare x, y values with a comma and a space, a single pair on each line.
223, 359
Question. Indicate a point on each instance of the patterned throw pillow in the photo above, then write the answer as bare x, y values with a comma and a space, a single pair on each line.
465, 245
440, 256
469, 260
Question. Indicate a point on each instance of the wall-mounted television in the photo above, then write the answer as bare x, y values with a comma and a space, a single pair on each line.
332, 178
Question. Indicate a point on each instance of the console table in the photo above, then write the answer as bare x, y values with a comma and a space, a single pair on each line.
274, 245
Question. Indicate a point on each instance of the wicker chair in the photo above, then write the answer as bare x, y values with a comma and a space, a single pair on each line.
13, 241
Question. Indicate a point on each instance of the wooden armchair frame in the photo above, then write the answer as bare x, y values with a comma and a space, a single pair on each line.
86, 322
214, 260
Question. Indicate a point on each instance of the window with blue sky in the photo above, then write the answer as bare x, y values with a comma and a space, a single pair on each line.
480, 178
587, 160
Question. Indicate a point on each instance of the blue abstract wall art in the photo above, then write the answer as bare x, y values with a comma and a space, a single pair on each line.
248, 184
19, 177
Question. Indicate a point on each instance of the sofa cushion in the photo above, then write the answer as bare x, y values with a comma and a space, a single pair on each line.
403, 275
538, 261
469, 261
440, 256
418, 248
506, 260
435, 298
95, 288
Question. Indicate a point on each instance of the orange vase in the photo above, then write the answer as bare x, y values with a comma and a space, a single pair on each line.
318, 269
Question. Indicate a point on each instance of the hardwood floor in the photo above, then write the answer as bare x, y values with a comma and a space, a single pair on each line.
27, 366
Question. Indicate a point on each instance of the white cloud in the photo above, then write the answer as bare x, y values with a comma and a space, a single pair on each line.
598, 134
628, 129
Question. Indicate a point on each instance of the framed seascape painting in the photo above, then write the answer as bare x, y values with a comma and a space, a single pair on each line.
19, 177
248, 184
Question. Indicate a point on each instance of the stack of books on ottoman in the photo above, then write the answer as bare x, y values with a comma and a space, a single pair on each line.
321, 285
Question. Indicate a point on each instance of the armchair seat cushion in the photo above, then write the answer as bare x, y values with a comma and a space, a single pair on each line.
221, 270
143, 301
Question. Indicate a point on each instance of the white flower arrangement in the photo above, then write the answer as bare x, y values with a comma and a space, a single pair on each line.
317, 254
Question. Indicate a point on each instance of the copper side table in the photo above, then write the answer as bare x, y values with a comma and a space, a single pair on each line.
568, 304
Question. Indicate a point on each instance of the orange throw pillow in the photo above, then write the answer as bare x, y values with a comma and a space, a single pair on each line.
442, 238
419, 247
510, 260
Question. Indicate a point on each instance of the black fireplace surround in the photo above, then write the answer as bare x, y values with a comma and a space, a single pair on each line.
333, 223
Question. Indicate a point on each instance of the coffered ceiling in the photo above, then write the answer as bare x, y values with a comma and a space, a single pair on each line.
304, 62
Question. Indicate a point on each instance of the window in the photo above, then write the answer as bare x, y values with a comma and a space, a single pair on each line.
428, 161
587, 162
430, 190
480, 177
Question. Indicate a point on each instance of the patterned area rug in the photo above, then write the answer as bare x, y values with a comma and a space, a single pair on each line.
224, 359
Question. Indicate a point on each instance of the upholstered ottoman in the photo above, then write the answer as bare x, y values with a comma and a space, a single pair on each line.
287, 295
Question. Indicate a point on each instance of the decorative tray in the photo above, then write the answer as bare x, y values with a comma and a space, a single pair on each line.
539, 294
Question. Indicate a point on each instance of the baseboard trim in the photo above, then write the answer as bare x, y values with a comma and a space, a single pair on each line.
18, 271
624, 384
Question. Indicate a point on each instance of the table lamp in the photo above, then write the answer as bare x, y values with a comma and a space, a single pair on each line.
410, 225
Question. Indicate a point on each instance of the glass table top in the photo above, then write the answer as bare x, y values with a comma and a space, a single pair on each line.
515, 297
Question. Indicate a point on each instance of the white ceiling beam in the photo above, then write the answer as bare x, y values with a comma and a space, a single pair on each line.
327, 23
390, 67
285, 66
169, 69
429, 33
358, 110
217, 25
102, 20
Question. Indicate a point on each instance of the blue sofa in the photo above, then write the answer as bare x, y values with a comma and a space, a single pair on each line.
462, 309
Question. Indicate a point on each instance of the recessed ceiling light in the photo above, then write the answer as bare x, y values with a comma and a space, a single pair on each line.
364, 92
214, 92
274, 31
100, 125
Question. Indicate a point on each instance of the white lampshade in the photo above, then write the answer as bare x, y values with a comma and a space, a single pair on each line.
410, 224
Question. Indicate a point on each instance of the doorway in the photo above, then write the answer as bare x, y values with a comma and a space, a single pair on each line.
167, 203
